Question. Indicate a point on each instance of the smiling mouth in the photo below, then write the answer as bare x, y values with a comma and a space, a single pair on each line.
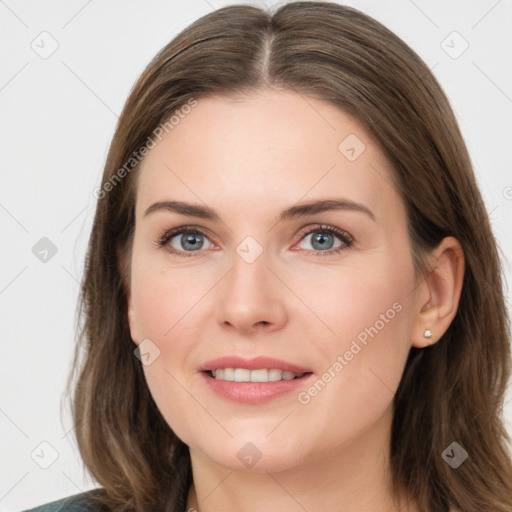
258, 375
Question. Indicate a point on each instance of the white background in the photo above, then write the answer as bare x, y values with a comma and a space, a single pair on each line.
58, 117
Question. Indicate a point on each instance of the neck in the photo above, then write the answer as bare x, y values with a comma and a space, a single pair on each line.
351, 478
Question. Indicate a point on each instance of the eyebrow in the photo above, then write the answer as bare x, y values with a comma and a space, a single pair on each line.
298, 210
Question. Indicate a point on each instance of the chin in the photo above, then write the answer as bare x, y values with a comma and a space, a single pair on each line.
253, 457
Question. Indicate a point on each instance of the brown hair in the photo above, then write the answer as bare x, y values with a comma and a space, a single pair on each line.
450, 391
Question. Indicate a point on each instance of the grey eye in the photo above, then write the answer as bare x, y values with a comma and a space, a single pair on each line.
188, 241
321, 240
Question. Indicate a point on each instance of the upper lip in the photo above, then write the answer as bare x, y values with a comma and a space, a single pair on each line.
255, 363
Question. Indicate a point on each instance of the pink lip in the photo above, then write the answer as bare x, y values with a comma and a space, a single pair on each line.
251, 364
253, 392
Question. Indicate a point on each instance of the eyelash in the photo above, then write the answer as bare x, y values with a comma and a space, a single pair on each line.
346, 239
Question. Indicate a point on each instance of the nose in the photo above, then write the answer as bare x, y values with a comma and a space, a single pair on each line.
251, 298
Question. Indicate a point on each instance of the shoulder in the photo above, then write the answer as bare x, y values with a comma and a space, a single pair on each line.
82, 502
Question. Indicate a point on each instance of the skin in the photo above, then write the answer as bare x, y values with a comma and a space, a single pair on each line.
250, 159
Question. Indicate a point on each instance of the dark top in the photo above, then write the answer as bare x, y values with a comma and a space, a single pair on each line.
76, 503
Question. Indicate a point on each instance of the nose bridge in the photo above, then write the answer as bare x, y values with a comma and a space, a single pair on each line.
248, 279
251, 294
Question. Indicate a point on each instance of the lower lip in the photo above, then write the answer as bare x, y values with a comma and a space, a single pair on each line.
254, 392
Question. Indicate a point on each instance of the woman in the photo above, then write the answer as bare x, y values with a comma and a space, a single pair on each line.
292, 297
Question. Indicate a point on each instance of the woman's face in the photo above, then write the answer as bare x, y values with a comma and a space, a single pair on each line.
326, 290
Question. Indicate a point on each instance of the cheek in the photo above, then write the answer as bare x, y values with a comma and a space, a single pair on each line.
359, 300
161, 298
369, 311
162, 313
174, 398
372, 311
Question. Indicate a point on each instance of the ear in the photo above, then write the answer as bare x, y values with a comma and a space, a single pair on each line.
123, 266
437, 297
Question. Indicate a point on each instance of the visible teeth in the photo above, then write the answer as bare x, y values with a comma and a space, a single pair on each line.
260, 375
242, 375
229, 374
275, 374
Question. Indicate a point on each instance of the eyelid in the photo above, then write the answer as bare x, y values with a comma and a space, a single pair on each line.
162, 241
347, 240
311, 228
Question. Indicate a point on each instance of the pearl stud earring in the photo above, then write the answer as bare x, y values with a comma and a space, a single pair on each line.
428, 333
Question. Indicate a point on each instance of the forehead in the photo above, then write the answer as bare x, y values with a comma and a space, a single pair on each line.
264, 150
